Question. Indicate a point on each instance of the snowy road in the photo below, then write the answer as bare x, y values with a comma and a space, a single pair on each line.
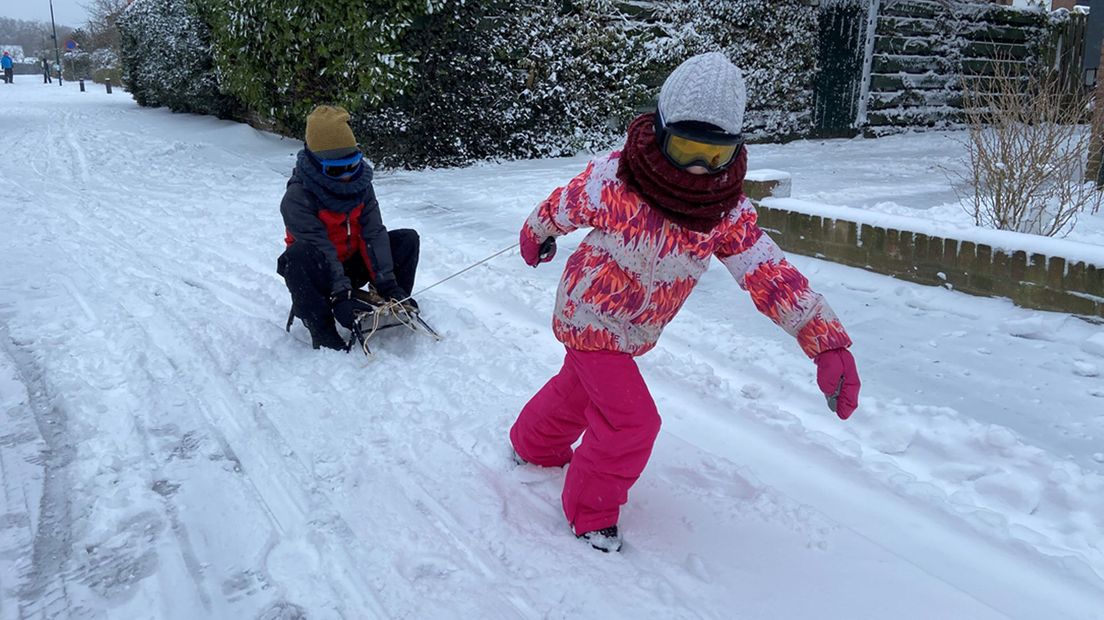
167, 451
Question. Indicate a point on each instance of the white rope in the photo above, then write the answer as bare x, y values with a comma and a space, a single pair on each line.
403, 313
465, 269
392, 309
364, 338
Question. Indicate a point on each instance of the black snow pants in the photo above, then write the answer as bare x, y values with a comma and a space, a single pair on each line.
304, 269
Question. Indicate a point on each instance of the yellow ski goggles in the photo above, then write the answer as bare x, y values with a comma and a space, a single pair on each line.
697, 144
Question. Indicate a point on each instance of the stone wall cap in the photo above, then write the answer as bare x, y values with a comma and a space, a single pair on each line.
1008, 241
767, 174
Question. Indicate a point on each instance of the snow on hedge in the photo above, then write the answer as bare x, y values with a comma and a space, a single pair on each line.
167, 58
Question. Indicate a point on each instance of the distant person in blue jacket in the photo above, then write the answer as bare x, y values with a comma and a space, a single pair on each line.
6, 63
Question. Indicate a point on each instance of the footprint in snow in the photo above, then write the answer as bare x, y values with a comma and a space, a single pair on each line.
1085, 369
112, 566
437, 567
242, 584
283, 610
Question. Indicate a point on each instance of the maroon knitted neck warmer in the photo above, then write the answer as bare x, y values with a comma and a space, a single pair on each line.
695, 201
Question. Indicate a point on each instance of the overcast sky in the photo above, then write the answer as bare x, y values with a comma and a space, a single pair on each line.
66, 12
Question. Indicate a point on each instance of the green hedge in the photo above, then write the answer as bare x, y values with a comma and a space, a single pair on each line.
493, 81
448, 82
774, 42
282, 57
166, 57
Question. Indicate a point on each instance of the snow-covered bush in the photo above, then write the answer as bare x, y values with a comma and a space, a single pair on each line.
583, 63
97, 52
106, 65
76, 64
283, 57
447, 115
98, 65
1027, 143
503, 80
167, 58
774, 42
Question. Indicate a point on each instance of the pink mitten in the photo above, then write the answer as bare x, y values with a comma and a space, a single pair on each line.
838, 378
533, 250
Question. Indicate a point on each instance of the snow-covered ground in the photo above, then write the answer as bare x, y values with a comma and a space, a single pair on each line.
906, 174
167, 451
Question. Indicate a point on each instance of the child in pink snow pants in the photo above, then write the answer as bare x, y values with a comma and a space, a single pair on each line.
602, 393
658, 211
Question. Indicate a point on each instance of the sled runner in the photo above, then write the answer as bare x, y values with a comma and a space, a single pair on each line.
379, 314
384, 314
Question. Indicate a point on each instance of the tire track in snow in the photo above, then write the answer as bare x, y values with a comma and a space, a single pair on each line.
75, 148
127, 556
422, 510
93, 232
279, 480
280, 484
279, 497
44, 592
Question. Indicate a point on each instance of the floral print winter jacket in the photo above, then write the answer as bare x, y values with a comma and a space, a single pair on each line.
635, 269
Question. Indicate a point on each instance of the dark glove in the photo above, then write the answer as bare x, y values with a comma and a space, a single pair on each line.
391, 291
838, 378
534, 252
345, 307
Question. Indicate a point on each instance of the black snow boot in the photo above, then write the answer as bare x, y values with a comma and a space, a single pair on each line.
325, 335
605, 540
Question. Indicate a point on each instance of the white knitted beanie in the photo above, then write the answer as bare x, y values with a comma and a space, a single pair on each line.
707, 88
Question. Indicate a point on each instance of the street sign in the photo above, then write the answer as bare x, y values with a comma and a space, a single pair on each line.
70, 44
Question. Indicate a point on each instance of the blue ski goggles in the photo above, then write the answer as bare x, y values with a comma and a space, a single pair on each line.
342, 168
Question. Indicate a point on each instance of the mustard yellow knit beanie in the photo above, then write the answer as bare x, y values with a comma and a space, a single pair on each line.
328, 133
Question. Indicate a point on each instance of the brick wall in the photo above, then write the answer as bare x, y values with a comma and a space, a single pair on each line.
1029, 280
1032, 281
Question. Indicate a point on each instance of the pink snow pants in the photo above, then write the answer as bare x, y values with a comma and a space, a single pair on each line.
602, 393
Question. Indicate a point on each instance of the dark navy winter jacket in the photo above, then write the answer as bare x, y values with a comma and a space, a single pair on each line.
340, 218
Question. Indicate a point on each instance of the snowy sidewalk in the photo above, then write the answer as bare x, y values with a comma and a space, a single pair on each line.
167, 451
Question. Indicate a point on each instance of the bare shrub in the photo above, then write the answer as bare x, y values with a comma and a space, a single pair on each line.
1028, 138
